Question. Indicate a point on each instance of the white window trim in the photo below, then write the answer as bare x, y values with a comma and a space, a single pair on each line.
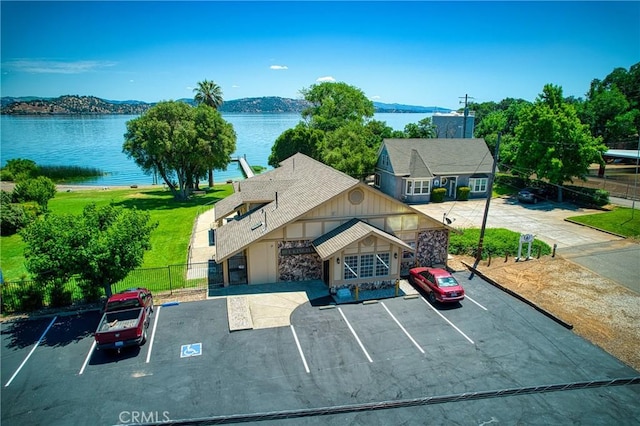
413, 186
472, 184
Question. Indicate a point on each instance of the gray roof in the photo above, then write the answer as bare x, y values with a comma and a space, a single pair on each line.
302, 184
438, 157
249, 191
348, 233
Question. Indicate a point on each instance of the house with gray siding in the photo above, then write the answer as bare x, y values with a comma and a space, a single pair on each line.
307, 221
409, 169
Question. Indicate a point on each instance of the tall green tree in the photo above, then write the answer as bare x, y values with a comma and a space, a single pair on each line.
301, 139
102, 245
114, 245
210, 94
609, 115
179, 142
334, 104
422, 129
552, 142
352, 149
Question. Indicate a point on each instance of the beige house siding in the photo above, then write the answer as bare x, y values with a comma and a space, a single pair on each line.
262, 262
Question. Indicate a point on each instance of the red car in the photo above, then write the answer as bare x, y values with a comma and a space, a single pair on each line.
439, 284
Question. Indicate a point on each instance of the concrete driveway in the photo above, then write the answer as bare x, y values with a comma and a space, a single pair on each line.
608, 255
545, 220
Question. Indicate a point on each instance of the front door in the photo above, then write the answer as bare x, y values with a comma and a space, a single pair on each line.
450, 183
325, 272
237, 269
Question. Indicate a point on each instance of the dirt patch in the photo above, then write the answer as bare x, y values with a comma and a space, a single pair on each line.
600, 310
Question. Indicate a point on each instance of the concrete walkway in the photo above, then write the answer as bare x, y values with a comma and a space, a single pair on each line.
200, 251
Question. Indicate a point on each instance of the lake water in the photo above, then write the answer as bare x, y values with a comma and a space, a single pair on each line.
96, 141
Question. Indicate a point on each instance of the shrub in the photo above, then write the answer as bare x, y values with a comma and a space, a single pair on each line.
58, 295
437, 195
31, 296
462, 193
12, 216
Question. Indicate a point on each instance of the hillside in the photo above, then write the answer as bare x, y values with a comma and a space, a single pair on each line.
91, 105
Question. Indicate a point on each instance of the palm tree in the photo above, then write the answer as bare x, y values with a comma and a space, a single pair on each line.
210, 94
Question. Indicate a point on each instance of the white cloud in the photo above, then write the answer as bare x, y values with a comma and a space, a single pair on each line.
279, 67
234, 86
56, 67
375, 98
327, 78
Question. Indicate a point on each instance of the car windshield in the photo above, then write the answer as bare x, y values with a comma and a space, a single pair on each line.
447, 282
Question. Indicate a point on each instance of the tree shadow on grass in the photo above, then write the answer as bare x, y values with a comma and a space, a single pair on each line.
163, 200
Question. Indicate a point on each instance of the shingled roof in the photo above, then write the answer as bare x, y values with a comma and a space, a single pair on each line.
302, 184
437, 157
348, 233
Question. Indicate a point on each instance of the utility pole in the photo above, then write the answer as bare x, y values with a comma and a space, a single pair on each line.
486, 207
466, 114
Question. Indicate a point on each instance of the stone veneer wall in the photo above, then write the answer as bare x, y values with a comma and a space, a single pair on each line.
432, 247
298, 267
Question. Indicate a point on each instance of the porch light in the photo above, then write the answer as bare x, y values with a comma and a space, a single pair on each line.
338, 260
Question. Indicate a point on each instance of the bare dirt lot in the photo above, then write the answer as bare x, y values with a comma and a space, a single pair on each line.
601, 311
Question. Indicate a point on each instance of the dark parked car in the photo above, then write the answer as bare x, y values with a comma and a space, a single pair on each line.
439, 284
532, 195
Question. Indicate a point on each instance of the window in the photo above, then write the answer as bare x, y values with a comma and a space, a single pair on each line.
478, 184
409, 255
350, 270
366, 265
376, 180
418, 186
382, 264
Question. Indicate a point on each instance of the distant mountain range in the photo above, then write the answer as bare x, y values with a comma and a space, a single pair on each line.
91, 105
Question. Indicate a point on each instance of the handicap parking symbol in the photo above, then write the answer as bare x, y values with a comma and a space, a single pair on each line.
193, 349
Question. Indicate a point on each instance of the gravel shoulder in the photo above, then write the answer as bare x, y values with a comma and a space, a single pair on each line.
600, 310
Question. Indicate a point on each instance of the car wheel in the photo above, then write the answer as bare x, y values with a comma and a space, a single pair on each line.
432, 298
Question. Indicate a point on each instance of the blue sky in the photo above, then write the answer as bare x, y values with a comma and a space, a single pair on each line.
419, 53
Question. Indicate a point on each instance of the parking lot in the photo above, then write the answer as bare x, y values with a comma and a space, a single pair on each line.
398, 361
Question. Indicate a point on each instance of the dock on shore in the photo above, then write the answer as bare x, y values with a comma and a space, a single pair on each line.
246, 169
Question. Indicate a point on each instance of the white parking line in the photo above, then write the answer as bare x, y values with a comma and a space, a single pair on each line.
153, 333
355, 335
466, 296
30, 353
88, 357
444, 318
304, 360
402, 328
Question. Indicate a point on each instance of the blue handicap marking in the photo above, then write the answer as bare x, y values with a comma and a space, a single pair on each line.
193, 349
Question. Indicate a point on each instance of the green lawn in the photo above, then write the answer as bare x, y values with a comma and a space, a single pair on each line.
618, 221
170, 241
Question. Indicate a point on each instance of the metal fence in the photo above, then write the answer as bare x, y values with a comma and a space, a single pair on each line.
27, 295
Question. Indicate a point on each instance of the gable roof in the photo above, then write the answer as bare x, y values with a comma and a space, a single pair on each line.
437, 157
348, 233
302, 184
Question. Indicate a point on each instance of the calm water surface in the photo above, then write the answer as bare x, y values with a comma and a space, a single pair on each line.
96, 141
